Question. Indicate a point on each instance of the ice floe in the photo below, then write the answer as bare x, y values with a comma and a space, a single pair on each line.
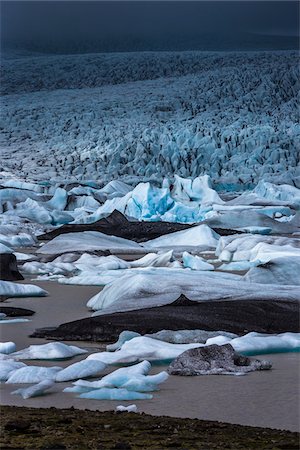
35, 390
89, 240
10, 289
32, 374
7, 347
140, 348
152, 288
52, 351
81, 369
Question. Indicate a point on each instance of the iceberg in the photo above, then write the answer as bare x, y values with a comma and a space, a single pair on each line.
132, 378
129, 408
195, 262
198, 236
144, 347
88, 241
10, 289
35, 390
115, 394
32, 374
52, 351
7, 347
152, 288
7, 367
81, 369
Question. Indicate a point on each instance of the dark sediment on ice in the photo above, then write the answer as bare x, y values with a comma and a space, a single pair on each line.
37, 428
214, 359
237, 317
8, 267
117, 224
11, 311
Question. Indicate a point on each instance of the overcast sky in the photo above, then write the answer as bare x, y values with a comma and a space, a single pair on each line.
78, 21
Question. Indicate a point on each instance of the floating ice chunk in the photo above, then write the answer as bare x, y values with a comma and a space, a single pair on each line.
123, 337
10, 289
118, 377
152, 289
7, 347
195, 190
81, 369
115, 188
188, 336
115, 394
98, 264
35, 390
143, 347
198, 236
284, 270
153, 260
89, 240
284, 193
129, 408
8, 366
59, 200
133, 378
19, 239
256, 343
195, 262
215, 360
53, 350
239, 266
33, 374
15, 320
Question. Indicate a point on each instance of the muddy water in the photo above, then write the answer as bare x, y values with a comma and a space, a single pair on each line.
267, 399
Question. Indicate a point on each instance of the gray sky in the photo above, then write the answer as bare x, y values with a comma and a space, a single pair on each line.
78, 22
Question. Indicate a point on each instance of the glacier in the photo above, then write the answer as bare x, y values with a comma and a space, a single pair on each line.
232, 115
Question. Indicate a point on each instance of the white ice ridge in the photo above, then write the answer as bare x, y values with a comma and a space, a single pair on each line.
51, 351
140, 348
89, 240
35, 390
10, 289
213, 121
152, 288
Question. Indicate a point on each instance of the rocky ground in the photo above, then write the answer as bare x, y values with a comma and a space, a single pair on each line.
34, 428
